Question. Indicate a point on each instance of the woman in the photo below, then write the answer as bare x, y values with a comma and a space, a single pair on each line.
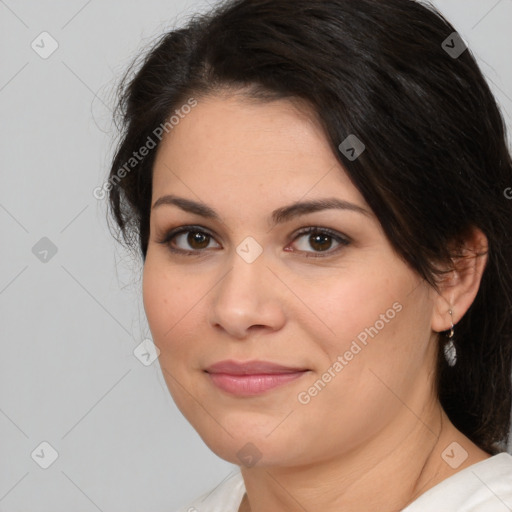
317, 192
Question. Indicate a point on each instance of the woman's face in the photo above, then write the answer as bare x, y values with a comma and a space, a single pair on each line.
348, 320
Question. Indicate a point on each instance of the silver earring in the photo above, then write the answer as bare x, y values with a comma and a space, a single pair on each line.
450, 352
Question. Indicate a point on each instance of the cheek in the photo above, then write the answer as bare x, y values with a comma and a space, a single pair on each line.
156, 299
381, 334
168, 304
359, 304
377, 339
165, 300
174, 303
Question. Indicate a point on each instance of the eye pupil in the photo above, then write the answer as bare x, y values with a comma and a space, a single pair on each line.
195, 237
321, 240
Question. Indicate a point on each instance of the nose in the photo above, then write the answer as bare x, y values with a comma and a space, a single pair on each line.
247, 299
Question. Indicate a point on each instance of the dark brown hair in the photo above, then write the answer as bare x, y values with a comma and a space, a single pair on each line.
436, 161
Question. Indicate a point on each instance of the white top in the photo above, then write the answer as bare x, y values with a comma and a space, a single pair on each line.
482, 487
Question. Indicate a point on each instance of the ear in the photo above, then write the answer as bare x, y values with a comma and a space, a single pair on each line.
459, 287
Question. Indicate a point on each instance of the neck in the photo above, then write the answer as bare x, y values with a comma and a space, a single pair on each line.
397, 467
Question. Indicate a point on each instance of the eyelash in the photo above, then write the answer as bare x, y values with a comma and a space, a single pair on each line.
342, 240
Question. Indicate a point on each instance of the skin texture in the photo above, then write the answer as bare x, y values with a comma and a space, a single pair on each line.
377, 424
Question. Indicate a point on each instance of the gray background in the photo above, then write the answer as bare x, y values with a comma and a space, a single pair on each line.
69, 325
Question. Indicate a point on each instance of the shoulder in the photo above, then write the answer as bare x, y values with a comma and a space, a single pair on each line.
483, 487
225, 497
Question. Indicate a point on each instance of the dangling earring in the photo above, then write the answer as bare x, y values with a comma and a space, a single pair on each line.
450, 352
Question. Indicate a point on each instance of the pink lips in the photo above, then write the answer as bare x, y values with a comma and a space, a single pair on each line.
252, 377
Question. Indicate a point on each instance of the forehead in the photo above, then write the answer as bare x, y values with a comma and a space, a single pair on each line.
230, 144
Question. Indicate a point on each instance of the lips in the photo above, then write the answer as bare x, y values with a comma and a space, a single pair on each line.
252, 377
251, 367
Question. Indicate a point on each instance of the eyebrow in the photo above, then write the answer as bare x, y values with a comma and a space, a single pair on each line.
284, 214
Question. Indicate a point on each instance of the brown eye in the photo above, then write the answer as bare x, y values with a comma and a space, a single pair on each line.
188, 240
320, 240
198, 240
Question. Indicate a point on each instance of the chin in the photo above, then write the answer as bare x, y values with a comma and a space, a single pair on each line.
249, 446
